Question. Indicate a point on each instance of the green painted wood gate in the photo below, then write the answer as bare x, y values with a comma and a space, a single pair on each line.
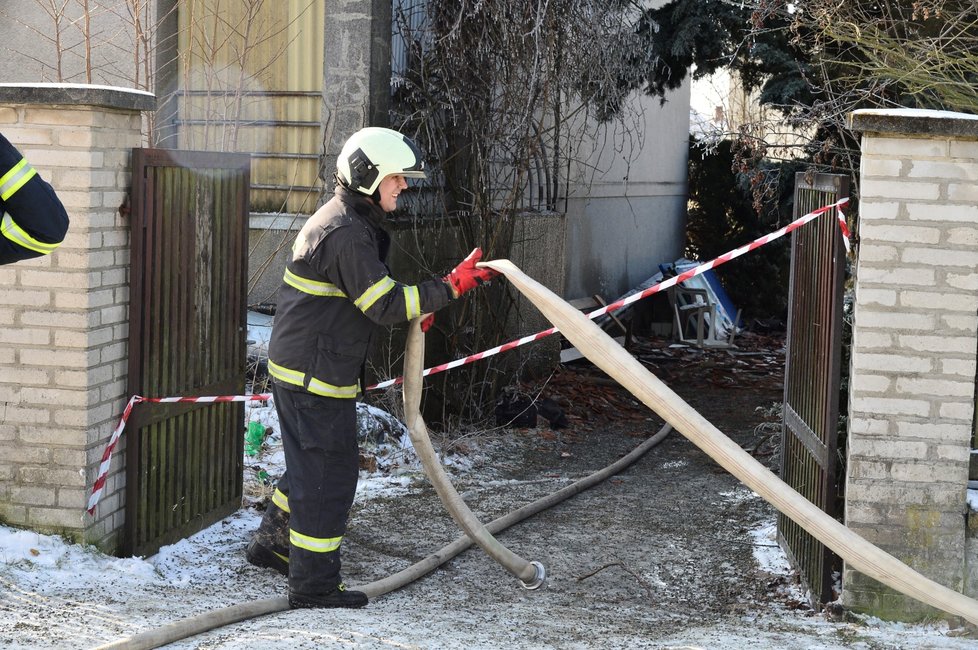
187, 328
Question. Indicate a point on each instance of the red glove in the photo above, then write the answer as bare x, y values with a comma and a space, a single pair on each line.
428, 321
467, 276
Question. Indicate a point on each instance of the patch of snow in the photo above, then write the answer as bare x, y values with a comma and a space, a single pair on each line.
73, 596
33, 560
973, 500
675, 464
769, 556
739, 495
916, 112
179, 564
133, 91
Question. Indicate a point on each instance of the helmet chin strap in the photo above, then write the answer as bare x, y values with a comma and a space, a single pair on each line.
343, 183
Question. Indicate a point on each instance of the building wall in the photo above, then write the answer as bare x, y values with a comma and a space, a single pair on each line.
355, 94
64, 317
259, 91
626, 211
915, 336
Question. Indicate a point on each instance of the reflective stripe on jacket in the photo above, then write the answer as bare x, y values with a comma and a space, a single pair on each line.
336, 290
33, 222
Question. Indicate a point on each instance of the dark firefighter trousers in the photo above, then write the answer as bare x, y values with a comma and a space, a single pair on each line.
319, 435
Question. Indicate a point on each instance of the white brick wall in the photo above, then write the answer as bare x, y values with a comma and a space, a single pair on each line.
915, 336
62, 325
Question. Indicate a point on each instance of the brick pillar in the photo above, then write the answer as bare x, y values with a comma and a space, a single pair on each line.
915, 336
356, 74
64, 317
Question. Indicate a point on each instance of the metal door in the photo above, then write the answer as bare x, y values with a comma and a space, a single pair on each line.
812, 375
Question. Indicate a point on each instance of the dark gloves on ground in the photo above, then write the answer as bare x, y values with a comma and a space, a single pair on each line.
467, 276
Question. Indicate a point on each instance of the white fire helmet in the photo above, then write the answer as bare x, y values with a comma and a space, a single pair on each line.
373, 153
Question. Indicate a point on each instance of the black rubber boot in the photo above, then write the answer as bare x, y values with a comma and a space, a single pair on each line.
270, 546
266, 558
339, 597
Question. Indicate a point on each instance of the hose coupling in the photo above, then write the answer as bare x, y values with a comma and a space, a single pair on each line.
538, 578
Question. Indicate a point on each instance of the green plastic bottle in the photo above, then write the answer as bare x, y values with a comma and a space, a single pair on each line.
254, 437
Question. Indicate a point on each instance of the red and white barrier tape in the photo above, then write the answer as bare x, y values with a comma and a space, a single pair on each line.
844, 228
665, 284
103, 469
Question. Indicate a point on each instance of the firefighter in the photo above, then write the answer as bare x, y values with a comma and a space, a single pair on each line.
337, 290
33, 222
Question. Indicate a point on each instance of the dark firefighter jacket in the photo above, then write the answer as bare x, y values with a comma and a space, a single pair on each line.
337, 289
33, 222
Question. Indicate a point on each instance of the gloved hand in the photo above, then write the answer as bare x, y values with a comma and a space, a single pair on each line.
467, 275
428, 321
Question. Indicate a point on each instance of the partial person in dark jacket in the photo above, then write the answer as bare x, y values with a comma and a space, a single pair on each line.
337, 290
33, 222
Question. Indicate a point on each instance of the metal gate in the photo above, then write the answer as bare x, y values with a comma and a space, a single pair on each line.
188, 285
812, 375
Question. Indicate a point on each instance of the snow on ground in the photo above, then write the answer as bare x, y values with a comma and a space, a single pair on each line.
33, 564
47, 594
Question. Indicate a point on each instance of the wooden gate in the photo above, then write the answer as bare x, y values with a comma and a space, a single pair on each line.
812, 375
187, 326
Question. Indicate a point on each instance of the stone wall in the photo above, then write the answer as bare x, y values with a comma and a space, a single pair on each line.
356, 74
915, 336
64, 317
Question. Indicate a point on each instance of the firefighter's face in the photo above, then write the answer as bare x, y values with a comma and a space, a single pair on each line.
389, 188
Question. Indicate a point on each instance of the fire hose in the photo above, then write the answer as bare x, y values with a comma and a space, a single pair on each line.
630, 373
195, 625
621, 366
531, 574
104, 467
